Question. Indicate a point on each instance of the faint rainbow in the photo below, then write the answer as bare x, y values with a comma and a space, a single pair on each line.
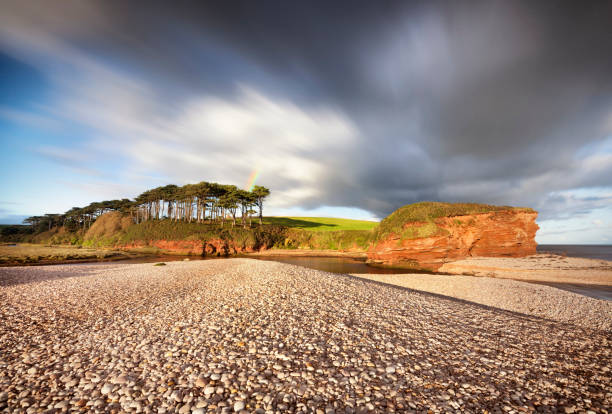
252, 178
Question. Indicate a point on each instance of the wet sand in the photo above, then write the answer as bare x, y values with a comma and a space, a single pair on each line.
547, 268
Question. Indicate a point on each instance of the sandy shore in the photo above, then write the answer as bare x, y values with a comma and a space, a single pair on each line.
536, 268
241, 335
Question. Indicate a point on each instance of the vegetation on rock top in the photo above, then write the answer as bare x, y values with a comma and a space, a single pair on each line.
277, 232
424, 214
247, 238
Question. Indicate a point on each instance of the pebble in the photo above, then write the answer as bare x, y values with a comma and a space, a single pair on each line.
220, 336
61, 405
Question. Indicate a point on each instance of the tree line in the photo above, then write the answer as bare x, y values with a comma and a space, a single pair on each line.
202, 202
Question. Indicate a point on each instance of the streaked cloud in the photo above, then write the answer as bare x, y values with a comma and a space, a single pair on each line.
496, 102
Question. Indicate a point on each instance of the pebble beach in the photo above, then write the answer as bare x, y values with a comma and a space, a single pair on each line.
241, 335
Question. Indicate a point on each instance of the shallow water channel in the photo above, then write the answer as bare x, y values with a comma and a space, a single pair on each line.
356, 266
326, 264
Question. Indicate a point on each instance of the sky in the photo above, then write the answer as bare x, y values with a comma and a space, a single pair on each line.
345, 109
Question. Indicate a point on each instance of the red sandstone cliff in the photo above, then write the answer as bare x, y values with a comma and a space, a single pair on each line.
506, 233
187, 247
214, 247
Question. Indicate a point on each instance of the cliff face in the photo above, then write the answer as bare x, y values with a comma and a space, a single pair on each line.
504, 233
213, 247
186, 247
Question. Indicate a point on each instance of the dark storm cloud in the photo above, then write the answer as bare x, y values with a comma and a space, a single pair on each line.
480, 101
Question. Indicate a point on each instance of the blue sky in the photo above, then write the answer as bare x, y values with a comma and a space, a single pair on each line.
342, 115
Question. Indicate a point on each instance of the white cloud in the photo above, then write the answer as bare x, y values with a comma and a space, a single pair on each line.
224, 140
206, 138
209, 138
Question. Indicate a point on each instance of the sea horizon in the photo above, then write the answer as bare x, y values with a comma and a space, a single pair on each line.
588, 251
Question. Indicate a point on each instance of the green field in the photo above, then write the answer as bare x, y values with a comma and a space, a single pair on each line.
321, 223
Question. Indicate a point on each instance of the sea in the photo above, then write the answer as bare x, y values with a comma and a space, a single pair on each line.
589, 251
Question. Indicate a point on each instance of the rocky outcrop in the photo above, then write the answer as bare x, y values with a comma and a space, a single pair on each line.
504, 233
219, 247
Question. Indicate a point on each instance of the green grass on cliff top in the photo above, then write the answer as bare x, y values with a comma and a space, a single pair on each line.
320, 223
427, 212
287, 232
